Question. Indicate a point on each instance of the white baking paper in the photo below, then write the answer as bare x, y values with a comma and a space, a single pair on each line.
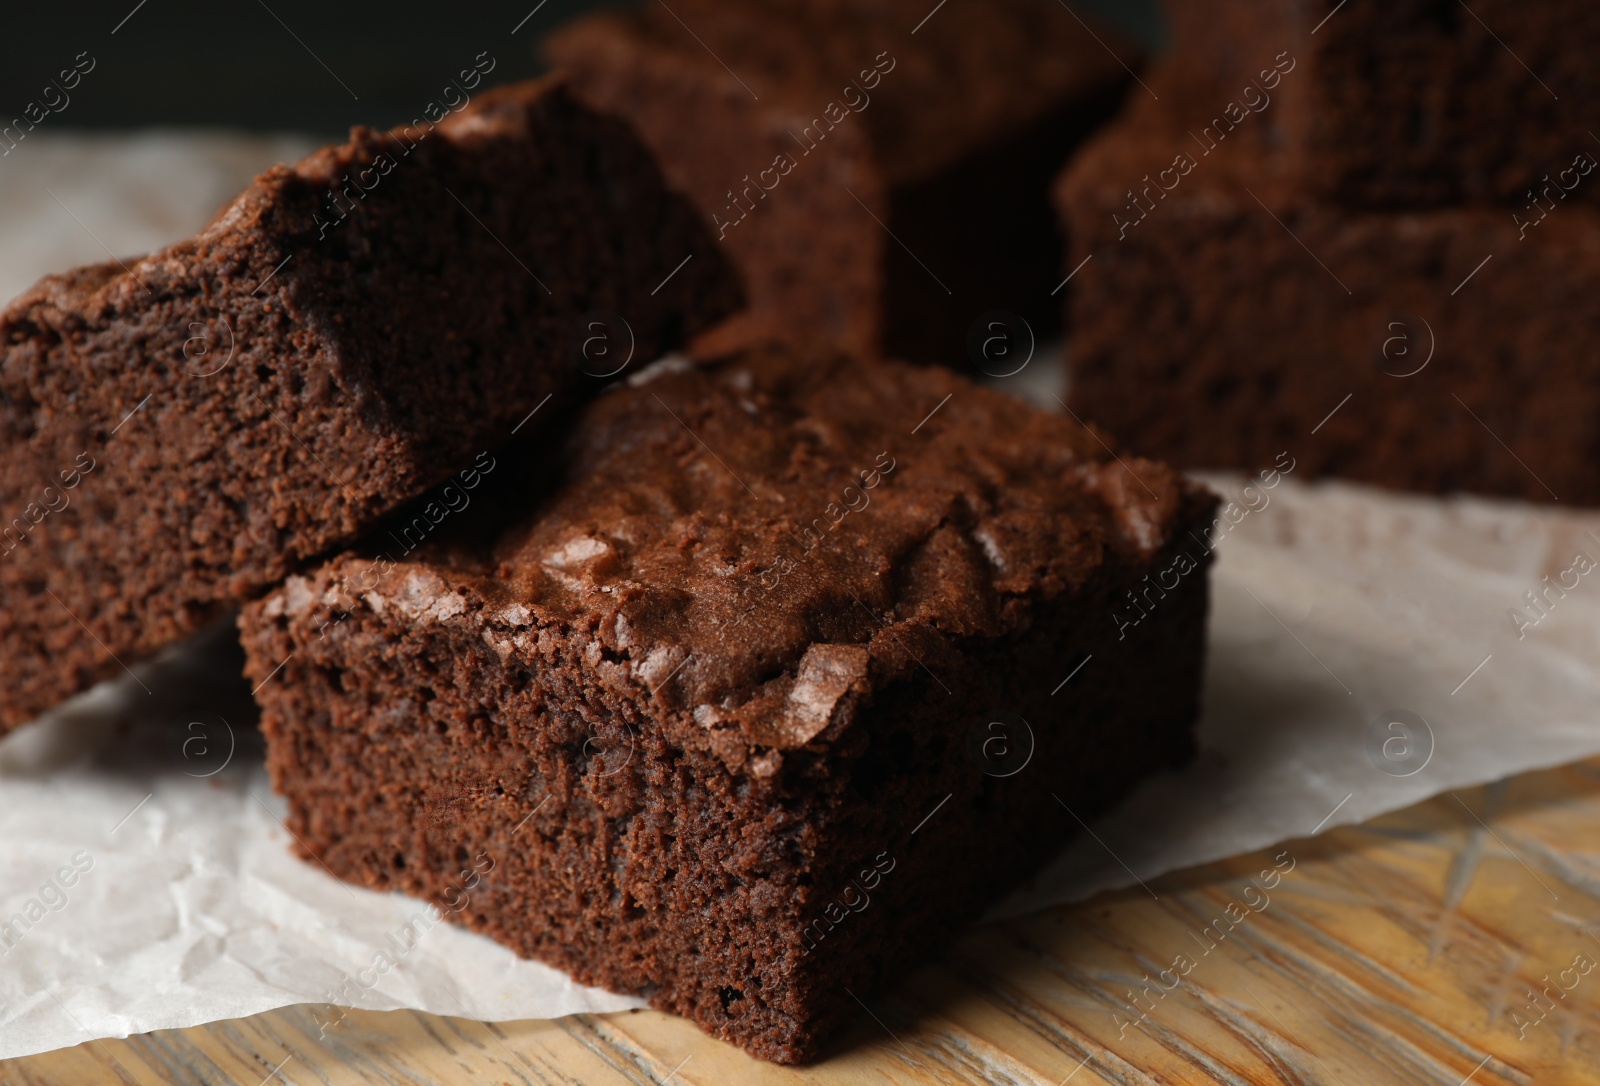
144, 850
67, 200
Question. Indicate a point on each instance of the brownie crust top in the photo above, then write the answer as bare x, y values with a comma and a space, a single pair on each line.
761, 543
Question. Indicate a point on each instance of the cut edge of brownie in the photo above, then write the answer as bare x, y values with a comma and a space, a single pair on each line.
250, 398
638, 845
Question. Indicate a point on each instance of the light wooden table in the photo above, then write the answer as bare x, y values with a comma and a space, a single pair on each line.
1411, 949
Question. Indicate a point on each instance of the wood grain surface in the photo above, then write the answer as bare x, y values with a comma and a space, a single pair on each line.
1454, 942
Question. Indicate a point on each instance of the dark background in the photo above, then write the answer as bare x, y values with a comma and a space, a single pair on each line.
238, 64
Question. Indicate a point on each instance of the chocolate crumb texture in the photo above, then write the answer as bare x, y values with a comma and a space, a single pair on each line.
183, 430
764, 698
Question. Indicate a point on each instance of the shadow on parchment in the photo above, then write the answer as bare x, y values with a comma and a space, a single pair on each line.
187, 711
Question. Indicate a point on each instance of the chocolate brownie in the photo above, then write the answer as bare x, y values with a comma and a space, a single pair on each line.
1225, 316
181, 431
1401, 103
764, 699
879, 172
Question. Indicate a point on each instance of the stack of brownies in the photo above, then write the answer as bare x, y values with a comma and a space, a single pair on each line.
749, 674
1368, 233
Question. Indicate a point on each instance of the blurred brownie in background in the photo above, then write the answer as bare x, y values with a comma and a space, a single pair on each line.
1234, 299
178, 432
1236, 319
878, 171
1404, 103
749, 732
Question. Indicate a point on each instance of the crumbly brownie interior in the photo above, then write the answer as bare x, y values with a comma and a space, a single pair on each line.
675, 762
341, 337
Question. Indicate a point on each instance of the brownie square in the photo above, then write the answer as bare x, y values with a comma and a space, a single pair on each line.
879, 172
788, 677
179, 432
1403, 103
1225, 315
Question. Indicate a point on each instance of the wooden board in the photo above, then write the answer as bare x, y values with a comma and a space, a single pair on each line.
1416, 948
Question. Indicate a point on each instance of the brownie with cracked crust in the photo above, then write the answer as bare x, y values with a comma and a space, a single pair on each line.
790, 675
1225, 314
1402, 104
879, 173
179, 432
